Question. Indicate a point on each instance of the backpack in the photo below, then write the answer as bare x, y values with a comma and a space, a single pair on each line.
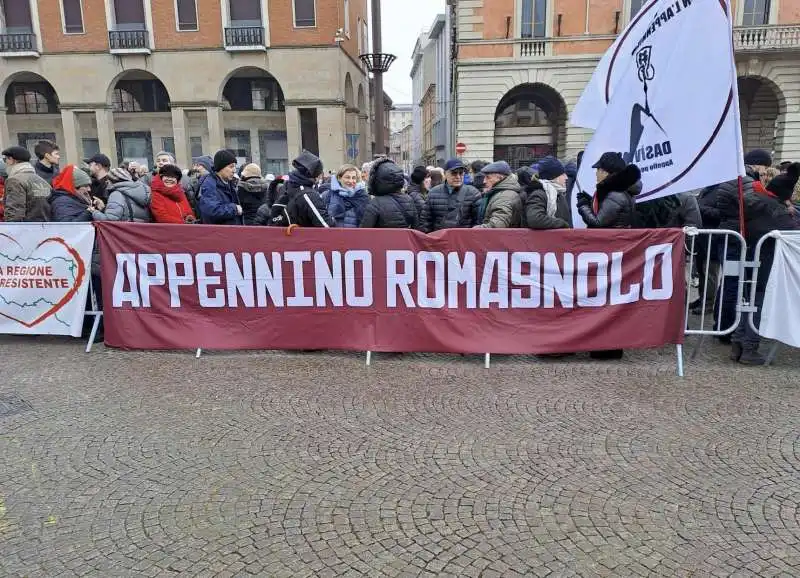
283, 209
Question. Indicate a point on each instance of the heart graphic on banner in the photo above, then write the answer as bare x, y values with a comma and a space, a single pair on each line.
36, 284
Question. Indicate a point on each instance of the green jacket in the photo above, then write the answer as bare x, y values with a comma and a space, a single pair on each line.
501, 208
26, 195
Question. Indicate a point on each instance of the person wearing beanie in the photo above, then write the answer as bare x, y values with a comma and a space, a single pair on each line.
201, 167
71, 200
547, 207
783, 184
452, 204
390, 207
219, 202
252, 191
416, 190
26, 194
128, 200
543, 209
168, 202
500, 207
299, 203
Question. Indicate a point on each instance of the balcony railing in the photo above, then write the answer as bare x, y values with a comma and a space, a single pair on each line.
532, 48
766, 38
128, 40
25, 42
245, 36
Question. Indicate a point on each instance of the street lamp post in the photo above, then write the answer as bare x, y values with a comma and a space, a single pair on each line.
377, 63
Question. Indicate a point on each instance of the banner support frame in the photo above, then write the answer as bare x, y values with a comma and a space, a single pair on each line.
679, 352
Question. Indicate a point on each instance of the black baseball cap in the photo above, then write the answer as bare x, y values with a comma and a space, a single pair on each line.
100, 159
610, 162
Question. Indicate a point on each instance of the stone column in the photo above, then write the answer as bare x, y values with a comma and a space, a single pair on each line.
5, 135
216, 136
106, 135
255, 150
294, 142
180, 134
71, 146
332, 137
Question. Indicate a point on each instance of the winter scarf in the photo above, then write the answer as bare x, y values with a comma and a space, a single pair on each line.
341, 200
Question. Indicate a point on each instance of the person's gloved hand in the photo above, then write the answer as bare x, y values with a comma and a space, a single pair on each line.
584, 199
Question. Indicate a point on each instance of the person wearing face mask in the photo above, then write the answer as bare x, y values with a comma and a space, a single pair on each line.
347, 198
452, 204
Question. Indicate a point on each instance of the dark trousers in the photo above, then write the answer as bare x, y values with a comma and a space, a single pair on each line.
728, 291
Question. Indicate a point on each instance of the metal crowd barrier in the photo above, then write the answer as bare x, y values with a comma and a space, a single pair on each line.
717, 265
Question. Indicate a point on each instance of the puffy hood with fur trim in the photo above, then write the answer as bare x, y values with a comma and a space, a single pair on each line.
625, 181
308, 164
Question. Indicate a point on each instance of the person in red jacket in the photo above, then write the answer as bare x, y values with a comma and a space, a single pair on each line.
168, 202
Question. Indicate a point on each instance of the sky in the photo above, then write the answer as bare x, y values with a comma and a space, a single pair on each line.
402, 22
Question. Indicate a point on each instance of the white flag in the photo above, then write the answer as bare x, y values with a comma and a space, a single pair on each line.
665, 96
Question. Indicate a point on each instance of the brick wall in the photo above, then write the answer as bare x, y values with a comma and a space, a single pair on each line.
165, 28
94, 39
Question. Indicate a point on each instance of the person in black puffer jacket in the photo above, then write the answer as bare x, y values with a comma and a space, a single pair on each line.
390, 207
451, 205
252, 191
613, 207
614, 203
535, 204
300, 204
416, 190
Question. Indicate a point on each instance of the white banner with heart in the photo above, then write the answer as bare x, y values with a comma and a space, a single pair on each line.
45, 272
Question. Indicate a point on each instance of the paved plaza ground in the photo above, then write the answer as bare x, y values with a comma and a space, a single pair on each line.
274, 464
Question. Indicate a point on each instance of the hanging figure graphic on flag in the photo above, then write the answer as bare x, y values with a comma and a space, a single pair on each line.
646, 72
637, 103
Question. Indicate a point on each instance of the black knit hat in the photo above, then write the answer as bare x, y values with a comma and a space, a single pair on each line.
418, 175
222, 159
783, 185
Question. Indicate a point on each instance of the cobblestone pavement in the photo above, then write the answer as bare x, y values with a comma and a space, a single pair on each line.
154, 464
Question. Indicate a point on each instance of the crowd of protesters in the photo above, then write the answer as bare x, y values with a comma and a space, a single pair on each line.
379, 195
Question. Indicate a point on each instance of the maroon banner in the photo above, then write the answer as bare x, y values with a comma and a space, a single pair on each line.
461, 291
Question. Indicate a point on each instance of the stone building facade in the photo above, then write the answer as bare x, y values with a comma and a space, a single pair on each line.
522, 65
265, 78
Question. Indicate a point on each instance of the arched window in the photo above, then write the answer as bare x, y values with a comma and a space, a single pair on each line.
31, 98
124, 101
523, 112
